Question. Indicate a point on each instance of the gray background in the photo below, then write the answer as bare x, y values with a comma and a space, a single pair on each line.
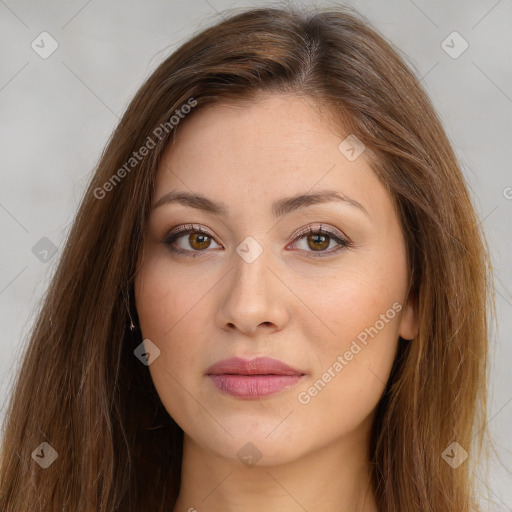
57, 113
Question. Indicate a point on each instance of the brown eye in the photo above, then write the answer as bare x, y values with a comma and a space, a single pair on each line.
318, 242
199, 241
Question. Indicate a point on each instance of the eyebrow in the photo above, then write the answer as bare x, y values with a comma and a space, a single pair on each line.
279, 208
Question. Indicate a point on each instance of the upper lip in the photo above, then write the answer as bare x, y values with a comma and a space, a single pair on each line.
257, 366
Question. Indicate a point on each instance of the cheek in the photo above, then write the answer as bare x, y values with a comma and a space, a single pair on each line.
354, 300
352, 368
162, 306
166, 312
360, 313
165, 298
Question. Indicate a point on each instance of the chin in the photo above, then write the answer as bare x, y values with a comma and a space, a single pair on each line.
261, 444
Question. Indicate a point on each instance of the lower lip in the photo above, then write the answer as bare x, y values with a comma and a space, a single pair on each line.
253, 386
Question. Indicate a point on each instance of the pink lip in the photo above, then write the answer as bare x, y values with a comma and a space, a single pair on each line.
253, 378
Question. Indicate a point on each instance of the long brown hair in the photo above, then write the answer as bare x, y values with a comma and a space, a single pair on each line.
82, 390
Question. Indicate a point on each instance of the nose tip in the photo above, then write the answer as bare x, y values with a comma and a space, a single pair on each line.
251, 329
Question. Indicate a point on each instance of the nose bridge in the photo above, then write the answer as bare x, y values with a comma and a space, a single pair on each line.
251, 298
251, 261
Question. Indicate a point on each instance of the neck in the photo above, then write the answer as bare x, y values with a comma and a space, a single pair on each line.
336, 478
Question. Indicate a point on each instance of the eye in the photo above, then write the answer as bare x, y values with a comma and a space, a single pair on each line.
320, 239
199, 239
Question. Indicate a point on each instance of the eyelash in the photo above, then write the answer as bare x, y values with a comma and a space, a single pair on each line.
191, 228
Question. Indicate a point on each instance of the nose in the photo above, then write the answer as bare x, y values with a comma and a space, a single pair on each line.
253, 297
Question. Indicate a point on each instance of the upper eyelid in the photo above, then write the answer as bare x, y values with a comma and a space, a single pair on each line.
320, 227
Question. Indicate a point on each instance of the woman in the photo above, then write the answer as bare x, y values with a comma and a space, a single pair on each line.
274, 294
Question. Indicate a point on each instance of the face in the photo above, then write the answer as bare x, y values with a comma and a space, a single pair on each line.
320, 285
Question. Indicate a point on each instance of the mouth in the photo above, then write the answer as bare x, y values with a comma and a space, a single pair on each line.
255, 378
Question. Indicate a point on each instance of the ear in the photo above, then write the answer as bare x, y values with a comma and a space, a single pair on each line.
409, 322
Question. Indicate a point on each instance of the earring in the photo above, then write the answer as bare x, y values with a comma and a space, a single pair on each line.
132, 325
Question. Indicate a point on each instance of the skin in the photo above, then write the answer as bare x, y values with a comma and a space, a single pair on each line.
303, 311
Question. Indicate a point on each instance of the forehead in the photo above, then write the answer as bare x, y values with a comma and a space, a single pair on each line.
275, 146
